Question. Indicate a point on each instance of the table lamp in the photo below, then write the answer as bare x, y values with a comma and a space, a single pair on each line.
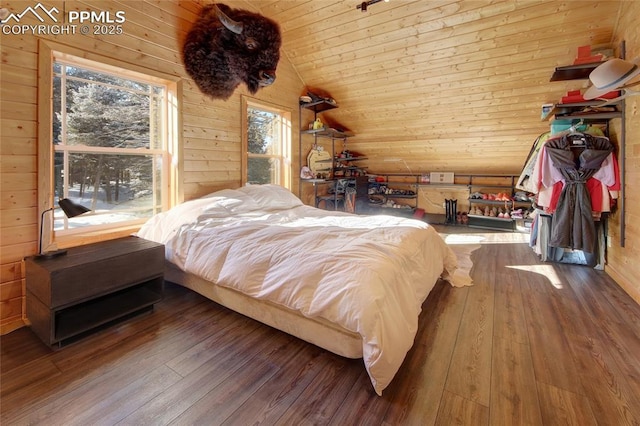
70, 209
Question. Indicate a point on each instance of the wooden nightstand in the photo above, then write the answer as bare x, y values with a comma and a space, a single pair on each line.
92, 285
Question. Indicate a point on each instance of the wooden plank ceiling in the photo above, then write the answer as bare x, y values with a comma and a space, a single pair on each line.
443, 85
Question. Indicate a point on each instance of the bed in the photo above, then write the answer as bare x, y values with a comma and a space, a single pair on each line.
351, 284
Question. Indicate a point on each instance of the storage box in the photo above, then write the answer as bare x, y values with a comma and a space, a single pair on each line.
441, 177
558, 126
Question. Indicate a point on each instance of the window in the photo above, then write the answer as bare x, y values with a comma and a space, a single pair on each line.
110, 143
267, 144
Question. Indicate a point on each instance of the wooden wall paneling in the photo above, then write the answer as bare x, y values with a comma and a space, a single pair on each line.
151, 39
18, 59
19, 146
18, 216
415, 71
11, 290
12, 272
11, 313
15, 77
432, 198
622, 261
11, 295
16, 110
409, 17
18, 164
18, 129
411, 60
444, 39
447, 85
19, 181
17, 199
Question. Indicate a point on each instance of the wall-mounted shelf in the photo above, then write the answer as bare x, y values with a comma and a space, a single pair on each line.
396, 186
338, 168
319, 106
581, 72
328, 133
574, 72
509, 203
577, 111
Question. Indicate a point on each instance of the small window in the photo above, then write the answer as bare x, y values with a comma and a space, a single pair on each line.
110, 141
267, 144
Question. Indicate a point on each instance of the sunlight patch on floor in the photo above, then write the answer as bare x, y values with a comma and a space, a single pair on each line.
486, 238
547, 271
463, 239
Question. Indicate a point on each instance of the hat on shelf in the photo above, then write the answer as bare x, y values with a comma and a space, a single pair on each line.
611, 75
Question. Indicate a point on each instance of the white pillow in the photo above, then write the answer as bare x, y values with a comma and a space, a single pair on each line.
272, 197
229, 201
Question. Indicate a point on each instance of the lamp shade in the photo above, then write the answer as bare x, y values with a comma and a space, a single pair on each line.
72, 209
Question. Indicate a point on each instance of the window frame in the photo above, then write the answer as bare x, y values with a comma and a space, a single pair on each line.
286, 132
170, 186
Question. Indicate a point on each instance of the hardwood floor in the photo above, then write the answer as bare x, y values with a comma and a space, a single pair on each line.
530, 343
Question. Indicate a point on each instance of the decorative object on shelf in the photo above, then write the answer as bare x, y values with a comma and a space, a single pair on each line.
574, 96
320, 96
612, 75
546, 110
306, 173
319, 162
441, 177
585, 56
220, 52
70, 209
334, 167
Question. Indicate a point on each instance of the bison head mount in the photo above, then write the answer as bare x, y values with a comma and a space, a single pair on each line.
226, 47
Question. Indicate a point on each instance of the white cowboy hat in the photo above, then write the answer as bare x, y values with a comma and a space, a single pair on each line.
611, 76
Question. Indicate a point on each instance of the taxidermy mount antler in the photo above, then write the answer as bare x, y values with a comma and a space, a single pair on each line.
226, 47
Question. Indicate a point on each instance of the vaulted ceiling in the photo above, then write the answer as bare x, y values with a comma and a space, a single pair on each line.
444, 85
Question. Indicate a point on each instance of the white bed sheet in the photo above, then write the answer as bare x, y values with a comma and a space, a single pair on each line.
367, 274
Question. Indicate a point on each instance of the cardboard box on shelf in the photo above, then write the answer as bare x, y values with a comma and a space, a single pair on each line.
441, 177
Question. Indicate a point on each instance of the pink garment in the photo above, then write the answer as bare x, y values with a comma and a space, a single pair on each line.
602, 186
546, 179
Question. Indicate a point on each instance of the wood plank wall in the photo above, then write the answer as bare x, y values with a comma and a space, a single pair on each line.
445, 85
329, 45
151, 38
623, 263
457, 85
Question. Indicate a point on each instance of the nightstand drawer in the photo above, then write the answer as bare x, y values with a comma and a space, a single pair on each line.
89, 271
86, 281
92, 285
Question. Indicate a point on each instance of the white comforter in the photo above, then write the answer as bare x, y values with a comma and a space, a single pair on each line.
369, 274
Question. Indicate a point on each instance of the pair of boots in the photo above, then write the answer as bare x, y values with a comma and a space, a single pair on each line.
451, 207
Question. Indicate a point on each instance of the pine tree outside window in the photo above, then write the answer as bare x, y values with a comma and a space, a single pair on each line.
113, 144
267, 143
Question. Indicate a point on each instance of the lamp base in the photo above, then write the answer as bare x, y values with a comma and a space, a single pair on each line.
51, 254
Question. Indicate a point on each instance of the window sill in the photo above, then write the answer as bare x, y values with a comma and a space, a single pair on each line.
80, 239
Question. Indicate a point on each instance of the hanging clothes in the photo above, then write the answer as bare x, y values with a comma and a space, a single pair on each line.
603, 186
578, 156
528, 168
